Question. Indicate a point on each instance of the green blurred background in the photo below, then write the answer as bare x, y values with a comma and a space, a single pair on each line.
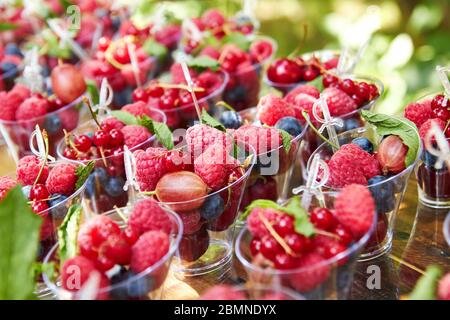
413, 38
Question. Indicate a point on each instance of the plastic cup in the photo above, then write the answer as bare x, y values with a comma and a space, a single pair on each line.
259, 292
447, 229
388, 194
149, 284
329, 279
243, 88
97, 196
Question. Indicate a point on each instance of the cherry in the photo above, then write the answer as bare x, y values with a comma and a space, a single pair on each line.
391, 154
255, 246
70, 153
39, 206
116, 138
322, 218
283, 261
298, 243
270, 247
284, 225
329, 80
82, 142
101, 138
363, 91
67, 82
285, 71
139, 94
103, 43
174, 161
39, 192
130, 235
438, 102
310, 73
348, 86
442, 113
345, 237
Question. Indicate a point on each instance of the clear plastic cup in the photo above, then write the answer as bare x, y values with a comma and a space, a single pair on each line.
388, 194
329, 279
243, 88
258, 292
98, 197
447, 229
149, 283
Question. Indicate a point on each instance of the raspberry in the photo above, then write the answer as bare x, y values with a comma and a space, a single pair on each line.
8, 109
137, 109
423, 130
312, 272
147, 215
20, 91
151, 247
339, 103
177, 74
31, 108
210, 51
354, 209
444, 288
263, 139
418, 112
212, 18
112, 123
304, 102
150, 167
28, 169
134, 135
116, 249
69, 118
302, 89
191, 221
6, 184
271, 108
200, 137
222, 292
62, 179
256, 226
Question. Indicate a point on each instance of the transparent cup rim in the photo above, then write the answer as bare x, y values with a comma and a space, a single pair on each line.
62, 143
344, 254
446, 228
172, 249
389, 179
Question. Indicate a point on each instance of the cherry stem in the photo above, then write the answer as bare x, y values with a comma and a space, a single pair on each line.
94, 116
276, 236
308, 120
121, 214
225, 105
302, 42
44, 161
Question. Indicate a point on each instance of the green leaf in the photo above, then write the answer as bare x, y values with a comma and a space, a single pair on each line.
68, 232
210, 121
426, 286
19, 230
65, 4
238, 39
204, 62
82, 172
160, 130
93, 91
155, 49
318, 83
260, 203
125, 117
6, 26
286, 138
389, 125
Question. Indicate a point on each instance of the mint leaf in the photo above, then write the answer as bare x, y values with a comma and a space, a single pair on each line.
318, 83
238, 39
426, 286
260, 203
68, 232
6, 26
160, 130
155, 49
125, 117
389, 125
93, 91
286, 139
19, 230
82, 172
204, 62
65, 4
210, 121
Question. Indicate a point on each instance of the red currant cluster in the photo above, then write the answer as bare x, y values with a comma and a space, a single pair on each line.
361, 92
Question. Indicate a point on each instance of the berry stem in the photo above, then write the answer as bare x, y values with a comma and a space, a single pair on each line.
301, 44
178, 86
102, 153
47, 199
225, 105
69, 142
308, 120
446, 126
327, 234
148, 193
94, 116
44, 161
276, 236
121, 214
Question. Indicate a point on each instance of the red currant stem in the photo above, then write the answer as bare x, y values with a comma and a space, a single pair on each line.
71, 144
223, 54
225, 105
446, 126
247, 161
295, 52
178, 86
44, 161
121, 214
149, 193
102, 153
308, 120
94, 116
276, 236
327, 234
47, 199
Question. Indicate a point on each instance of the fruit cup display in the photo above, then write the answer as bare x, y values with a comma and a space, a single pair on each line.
203, 183
176, 101
381, 161
23, 109
104, 145
10, 64
312, 251
246, 292
433, 184
124, 254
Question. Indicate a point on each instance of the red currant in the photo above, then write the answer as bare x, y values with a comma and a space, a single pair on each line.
270, 247
101, 138
298, 243
130, 234
39, 206
373, 91
284, 225
70, 153
438, 102
442, 113
103, 43
345, 237
115, 138
121, 54
310, 73
39, 192
82, 142
323, 219
283, 261
174, 161
363, 91
329, 80
334, 249
185, 98
255, 246
348, 86
167, 101
154, 91
139, 94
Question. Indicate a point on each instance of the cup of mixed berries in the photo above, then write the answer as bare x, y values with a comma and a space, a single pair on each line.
433, 178
381, 156
103, 142
313, 251
123, 254
247, 292
10, 64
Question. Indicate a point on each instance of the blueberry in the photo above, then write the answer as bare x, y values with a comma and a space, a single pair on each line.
114, 187
212, 208
116, 23
289, 124
236, 94
9, 69
364, 144
101, 175
351, 124
383, 194
26, 191
231, 119
52, 124
98, 176
13, 49
429, 160
60, 211
123, 97
125, 286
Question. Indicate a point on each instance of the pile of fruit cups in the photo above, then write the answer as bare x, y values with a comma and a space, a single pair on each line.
124, 254
312, 251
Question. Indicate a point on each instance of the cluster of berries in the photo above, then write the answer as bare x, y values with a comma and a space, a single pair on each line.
125, 253
277, 244
10, 61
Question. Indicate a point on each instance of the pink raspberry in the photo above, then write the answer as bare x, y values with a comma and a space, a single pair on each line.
222, 292
444, 288
69, 118
151, 247
200, 137
150, 167
304, 102
426, 126
271, 108
137, 109
134, 135
28, 169
62, 179
6, 184
339, 103
211, 80
31, 108
312, 272
112, 123
355, 209
418, 112
20, 91
177, 74
255, 224
302, 89
8, 108
263, 139
147, 215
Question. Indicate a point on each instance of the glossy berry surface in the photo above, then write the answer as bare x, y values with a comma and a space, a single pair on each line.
322, 218
364, 144
284, 71
101, 138
39, 192
82, 142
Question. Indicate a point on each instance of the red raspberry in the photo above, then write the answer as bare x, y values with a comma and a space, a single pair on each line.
418, 112
137, 109
312, 272
444, 288
32, 108
115, 249
177, 73
8, 108
69, 118
255, 224
151, 247
354, 209
263, 139
21, 91
191, 221
271, 108
302, 89
62, 179
6, 184
134, 135
423, 130
28, 169
112, 123
150, 167
222, 292
304, 102
212, 18
147, 215
200, 137
339, 103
